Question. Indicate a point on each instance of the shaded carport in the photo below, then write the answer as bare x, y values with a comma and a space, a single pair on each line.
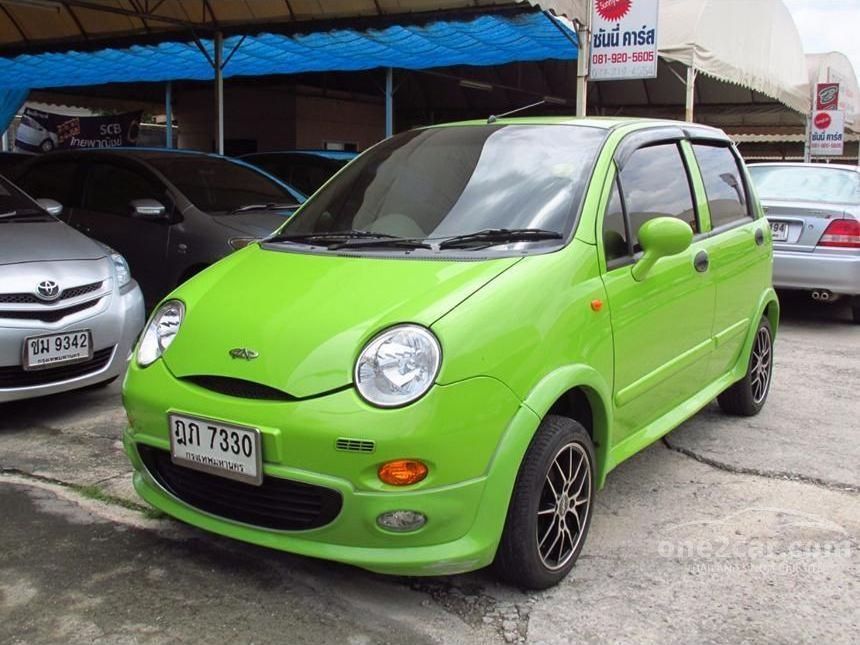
160, 42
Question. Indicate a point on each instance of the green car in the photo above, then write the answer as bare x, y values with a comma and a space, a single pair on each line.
436, 362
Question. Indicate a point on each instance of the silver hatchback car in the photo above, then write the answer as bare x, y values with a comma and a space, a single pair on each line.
814, 213
69, 309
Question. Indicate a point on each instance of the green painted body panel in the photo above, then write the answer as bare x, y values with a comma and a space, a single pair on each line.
516, 333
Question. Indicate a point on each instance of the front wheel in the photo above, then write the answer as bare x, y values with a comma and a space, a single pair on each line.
747, 397
551, 505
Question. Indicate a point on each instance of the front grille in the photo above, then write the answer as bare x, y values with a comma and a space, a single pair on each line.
280, 504
15, 376
355, 445
30, 298
239, 388
49, 315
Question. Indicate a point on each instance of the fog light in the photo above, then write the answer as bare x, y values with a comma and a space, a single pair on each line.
402, 472
401, 520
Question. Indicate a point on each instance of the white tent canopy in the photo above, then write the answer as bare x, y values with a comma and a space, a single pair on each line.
752, 43
834, 67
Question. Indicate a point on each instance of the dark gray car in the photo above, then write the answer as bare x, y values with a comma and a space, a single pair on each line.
170, 213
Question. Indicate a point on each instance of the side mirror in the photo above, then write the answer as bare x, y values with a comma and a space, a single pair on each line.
51, 205
660, 238
150, 209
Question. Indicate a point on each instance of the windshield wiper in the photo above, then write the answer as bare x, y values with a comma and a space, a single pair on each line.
262, 207
386, 242
327, 237
28, 213
493, 236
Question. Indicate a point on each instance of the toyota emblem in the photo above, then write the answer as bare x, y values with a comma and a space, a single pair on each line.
48, 290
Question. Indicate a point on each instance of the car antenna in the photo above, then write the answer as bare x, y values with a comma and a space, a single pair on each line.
495, 117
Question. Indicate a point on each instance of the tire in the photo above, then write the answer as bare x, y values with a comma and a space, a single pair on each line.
46, 146
747, 397
525, 557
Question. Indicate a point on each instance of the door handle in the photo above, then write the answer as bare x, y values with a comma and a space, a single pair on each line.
701, 261
759, 237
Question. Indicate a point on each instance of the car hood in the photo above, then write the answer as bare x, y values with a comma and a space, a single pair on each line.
309, 315
254, 223
45, 242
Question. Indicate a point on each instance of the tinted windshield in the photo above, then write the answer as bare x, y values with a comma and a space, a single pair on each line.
302, 171
449, 181
220, 186
15, 203
805, 183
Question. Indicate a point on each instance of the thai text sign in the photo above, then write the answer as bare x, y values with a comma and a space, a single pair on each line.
623, 40
828, 133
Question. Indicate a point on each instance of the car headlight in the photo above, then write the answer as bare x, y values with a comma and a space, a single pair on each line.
160, 332
123, 274
398, 366
237, 243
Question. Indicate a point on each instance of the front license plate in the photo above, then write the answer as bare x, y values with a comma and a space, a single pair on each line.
43, 352
216, 448
779, 230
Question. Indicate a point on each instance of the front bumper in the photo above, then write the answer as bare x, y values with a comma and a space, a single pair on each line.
115, 325
837, 272
459, 430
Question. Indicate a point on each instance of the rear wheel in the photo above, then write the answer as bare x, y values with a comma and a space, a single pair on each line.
551, 505
747, 397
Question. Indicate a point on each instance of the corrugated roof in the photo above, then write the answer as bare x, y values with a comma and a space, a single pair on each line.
483, 40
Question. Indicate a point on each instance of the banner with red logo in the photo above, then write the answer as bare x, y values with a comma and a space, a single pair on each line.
623, 39
827, 96
828, 133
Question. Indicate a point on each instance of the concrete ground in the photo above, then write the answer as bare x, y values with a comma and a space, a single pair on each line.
729, 530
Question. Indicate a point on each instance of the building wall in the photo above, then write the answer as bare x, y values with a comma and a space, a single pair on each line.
275, 118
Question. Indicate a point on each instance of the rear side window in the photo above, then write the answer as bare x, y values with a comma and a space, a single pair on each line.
111, 189
727, 198
54, 180
655, 183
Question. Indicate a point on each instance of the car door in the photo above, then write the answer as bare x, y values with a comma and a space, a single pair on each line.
106, 214
662, 324
737, 248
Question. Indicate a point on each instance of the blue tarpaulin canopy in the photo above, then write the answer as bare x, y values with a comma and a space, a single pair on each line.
485, 40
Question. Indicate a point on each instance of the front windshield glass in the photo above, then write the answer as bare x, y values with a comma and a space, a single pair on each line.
443, 182
806, 183
220, 186
14, 204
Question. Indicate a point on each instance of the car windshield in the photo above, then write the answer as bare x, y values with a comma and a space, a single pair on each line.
440, 183
217, 185
16, 206
808, 184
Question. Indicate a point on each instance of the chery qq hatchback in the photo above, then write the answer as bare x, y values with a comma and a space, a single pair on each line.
436, 362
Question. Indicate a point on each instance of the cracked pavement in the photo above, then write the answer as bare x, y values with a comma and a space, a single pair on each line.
730, 529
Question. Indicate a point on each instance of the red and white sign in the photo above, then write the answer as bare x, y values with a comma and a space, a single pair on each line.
828, 133
623, 39
827, 96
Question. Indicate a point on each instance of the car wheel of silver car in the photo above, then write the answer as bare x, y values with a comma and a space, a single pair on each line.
748, 396
46, 146
551, 506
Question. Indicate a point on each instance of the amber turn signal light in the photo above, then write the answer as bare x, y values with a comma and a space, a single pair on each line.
402, 472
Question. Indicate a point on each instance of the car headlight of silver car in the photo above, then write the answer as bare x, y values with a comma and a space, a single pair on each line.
160, 332
398, 366
120, 266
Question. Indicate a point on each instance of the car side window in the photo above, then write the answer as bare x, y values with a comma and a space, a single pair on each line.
54, 180
110, 189
615, 246
724, 187
655, 183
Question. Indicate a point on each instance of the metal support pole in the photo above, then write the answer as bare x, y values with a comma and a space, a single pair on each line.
807, 141
219, 93
168, 114
583, 35
5, 145
389, 102
691, 94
